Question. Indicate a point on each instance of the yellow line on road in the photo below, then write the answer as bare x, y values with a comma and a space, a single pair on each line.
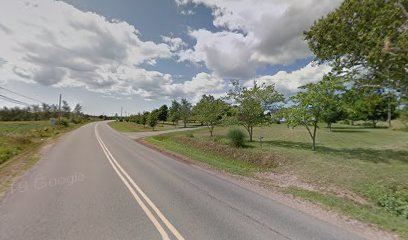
120, 171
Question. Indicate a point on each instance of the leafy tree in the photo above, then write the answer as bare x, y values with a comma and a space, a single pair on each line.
78, 109
163, 113
376, 105
352, 105
333, 113
143, 118
174, 112
153, 118
66, 109
185, 111
365, 40
252, 103
404, 113
311, 104
46, 111
209, 111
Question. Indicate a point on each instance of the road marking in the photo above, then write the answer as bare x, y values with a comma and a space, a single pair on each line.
122, 174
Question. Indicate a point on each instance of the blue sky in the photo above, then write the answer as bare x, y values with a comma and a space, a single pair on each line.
140, 54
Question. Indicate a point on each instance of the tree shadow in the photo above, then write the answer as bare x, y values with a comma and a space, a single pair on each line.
366, 154
350, 130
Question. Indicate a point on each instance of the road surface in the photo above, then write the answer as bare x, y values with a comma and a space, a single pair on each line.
96, 183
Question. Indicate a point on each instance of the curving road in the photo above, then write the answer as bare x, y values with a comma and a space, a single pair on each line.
96, 183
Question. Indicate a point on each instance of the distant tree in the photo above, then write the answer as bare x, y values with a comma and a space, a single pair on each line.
366, 41
352, 105
66, 109
143, 118
252, 103
376, 104
153, 118
310, 105
209, 111
404, 112
163, 113
78, 109
333, 113
46, 111
185, 111
174, 112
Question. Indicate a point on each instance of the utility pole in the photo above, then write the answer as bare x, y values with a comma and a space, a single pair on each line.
121, 110
59, 107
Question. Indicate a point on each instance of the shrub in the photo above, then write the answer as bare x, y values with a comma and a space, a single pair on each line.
237, 137
393, 198
62, 123
77, 119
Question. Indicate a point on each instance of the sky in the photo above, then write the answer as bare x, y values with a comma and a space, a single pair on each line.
138, 55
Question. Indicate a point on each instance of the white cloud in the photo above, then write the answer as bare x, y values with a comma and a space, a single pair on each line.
254, 33
53, 43
187, 12
289, 82
202, 83
174, 43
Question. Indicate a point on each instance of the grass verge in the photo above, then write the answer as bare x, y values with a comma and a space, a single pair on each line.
371, 166
20, 143
229, 164
365, 213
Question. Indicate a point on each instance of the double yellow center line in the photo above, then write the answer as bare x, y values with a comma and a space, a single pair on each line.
138, 195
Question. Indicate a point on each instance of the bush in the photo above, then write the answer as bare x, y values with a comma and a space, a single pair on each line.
237, 137
77, 119
393, 198
62, 123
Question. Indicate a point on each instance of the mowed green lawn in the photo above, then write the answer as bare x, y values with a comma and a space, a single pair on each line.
350, 164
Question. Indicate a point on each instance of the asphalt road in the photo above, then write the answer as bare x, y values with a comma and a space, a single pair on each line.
96, 183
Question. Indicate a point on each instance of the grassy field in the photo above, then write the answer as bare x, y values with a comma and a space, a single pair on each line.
19, 144
134, 127
362, 172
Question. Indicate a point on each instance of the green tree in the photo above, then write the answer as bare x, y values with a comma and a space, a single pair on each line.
310, 105
153, 118
143, 118
163, 113
252, 103
365, 40
174, 112
66, 109
209, 111
185, 111
78, 109
376, 104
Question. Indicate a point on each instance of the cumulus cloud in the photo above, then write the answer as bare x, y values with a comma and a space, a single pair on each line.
254, 33
202, 83
53, 43
289, 82
174, 43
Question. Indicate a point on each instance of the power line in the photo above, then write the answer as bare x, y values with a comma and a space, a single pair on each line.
12, 100
21, 95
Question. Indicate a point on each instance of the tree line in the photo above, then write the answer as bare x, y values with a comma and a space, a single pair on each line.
327, 101
42, 112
